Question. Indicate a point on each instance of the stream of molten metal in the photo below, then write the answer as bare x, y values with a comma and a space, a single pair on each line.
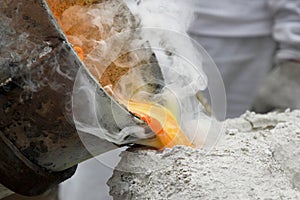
159, 119
162, 123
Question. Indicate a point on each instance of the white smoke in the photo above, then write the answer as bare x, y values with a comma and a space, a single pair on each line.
164, 25
159, 26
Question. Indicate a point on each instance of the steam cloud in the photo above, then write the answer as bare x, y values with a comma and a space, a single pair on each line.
171, 78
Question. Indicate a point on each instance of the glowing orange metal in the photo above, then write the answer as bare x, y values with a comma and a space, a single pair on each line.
162, 122
79, 52
159, 119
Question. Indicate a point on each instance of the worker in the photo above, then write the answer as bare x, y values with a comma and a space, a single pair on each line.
246, 39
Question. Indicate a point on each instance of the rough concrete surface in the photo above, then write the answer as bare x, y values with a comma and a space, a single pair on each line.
258, 158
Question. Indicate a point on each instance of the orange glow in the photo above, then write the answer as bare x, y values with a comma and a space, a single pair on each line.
162, 122
75, 21
80, 32
80, 52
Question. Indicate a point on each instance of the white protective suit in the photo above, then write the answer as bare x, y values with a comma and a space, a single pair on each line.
242, 36
245, 39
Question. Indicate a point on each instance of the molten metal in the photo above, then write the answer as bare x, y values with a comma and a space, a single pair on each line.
162, 122
76, 22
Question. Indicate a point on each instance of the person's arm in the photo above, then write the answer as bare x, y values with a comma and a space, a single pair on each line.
286, 28
281, 89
